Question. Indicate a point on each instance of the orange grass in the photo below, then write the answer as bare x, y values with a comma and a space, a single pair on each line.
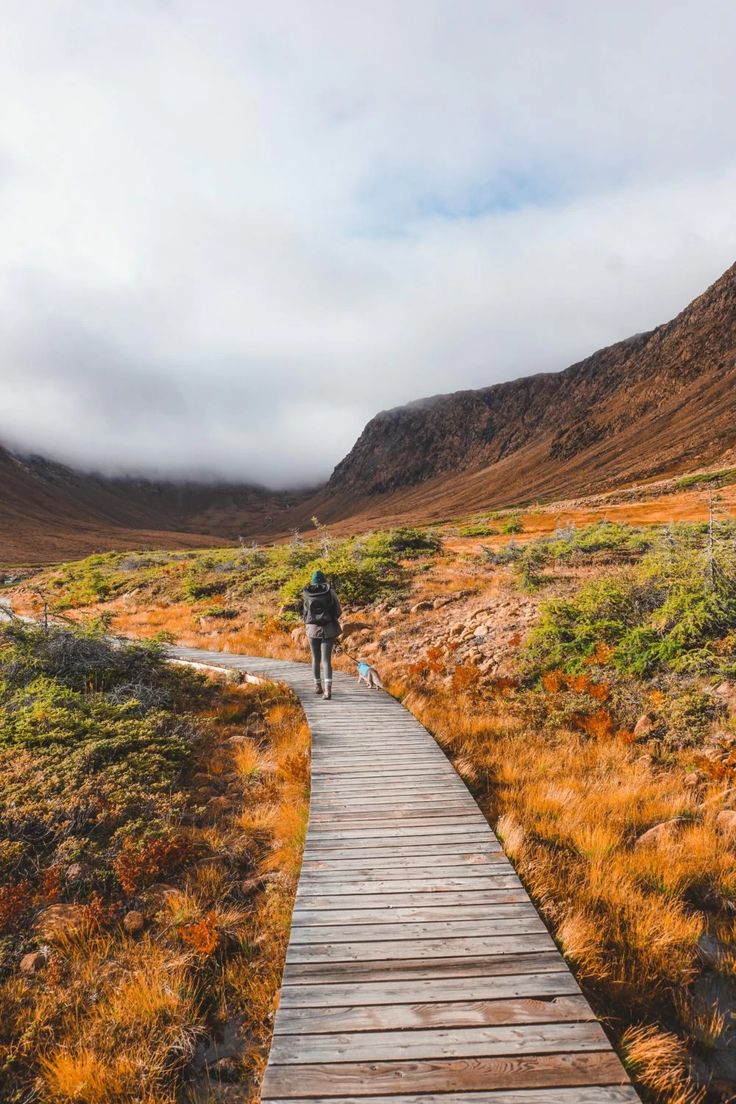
569, 806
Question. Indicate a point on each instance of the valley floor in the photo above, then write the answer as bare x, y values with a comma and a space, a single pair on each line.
578, 665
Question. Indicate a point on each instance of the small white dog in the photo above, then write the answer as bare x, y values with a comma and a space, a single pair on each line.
369, 675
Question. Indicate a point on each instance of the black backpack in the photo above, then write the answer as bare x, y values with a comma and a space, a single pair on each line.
319, 607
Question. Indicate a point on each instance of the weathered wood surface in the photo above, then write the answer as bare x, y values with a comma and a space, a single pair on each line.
418, 971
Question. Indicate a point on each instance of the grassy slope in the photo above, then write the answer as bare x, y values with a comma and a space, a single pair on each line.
631, 622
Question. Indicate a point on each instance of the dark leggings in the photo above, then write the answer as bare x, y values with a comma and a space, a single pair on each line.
321, 649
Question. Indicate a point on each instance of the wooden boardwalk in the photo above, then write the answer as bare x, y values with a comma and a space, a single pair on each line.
418, 970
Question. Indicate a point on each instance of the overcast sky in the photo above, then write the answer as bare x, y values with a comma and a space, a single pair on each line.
233, 230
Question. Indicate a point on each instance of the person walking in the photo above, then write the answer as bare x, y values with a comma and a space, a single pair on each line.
322, 611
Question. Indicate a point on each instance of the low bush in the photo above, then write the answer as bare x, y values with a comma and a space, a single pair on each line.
478, 528
672, 612
723, 475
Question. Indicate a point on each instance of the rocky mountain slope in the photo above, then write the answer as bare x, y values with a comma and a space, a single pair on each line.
658, 402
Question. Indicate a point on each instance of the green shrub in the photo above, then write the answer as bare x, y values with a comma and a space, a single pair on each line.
478, 529
602, 541
724, 475
93, 737
671, 612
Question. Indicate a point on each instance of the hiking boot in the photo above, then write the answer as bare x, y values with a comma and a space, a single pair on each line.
328, 690
317, 686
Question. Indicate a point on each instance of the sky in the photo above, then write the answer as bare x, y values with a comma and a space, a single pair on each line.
233, 231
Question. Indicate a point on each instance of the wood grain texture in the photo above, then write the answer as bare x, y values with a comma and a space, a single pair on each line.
375, 1078
513, 905
461, 1013
418, 970
440, 1042
595, 1094
404, 969
499, 987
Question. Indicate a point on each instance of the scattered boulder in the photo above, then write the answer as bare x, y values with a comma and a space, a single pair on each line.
60, 920
726, 822
249, 886
438, 603
33, 963
224, 1069
420, 607
217, 807
726, 691
134, 922
76, 872
659, 833
352, 627
645, 725
158, 894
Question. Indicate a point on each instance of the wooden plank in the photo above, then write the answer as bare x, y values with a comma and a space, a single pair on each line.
404, 885
429, 791
400, 845
467, 966
386, 949
390, 810
498, 891
593, 1094
412, 866
451, 1075
378, 917
393, 880
404, 1017
402, 929
438, 1043
369, 850
487, 861
330, 827
424, 992
403, 863
422, 831
411, 783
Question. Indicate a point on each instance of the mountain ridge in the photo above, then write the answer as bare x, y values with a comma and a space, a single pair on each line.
656, 403
471, 429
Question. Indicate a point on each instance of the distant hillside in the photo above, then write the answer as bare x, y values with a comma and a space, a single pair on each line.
49, 511
657, 402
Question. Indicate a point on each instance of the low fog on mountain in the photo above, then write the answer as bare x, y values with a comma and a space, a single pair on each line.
233, 234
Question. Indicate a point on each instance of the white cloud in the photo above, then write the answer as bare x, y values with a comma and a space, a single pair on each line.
232, 232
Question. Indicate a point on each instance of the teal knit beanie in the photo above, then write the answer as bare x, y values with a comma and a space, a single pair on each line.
318, 578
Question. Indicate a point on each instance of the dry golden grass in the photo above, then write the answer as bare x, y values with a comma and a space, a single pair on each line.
659, 1061
569, 808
